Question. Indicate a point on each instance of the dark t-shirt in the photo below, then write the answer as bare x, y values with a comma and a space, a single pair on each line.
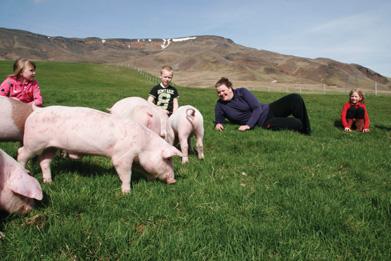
164, 97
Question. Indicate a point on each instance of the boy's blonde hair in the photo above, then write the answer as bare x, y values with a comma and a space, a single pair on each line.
20, 64
360, 93
167, 68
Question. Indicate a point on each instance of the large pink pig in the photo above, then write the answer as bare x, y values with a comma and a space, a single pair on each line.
13, 114
185, 122
146, 114
80, 130
17, 188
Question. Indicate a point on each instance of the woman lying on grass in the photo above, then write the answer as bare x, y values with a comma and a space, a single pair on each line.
241, 107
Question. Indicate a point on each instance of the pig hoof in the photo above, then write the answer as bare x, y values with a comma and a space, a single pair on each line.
125, 191
185, 160
47, 180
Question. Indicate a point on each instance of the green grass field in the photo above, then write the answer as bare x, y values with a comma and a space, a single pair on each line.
257, 195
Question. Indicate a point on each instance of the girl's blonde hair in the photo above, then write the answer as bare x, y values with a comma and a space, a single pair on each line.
360, 93
20, 64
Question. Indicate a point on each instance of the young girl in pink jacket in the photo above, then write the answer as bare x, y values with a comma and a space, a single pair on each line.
22, 85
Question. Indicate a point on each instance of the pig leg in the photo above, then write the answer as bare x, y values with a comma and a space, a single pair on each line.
190, 149
183, 140
44, 161
24, 155
124, 170
199, 146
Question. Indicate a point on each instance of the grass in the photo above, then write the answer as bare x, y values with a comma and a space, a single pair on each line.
257, 195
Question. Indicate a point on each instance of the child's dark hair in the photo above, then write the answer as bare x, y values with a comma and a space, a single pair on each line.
359, 92
224, 81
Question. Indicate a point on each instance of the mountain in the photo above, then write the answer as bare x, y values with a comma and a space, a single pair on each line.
197, 60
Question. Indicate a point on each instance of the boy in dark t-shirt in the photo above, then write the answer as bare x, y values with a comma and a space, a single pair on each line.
164, 95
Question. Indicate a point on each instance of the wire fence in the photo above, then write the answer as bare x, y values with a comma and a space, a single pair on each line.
376, 89
147, 76
318, 89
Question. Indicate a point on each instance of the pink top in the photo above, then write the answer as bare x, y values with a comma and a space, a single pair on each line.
27, 91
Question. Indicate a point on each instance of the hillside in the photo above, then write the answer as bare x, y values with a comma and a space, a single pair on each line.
198, 61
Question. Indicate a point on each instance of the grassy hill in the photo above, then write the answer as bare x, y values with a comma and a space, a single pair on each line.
198, 61
257, 195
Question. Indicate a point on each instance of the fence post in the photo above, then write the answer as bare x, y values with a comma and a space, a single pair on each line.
375, 88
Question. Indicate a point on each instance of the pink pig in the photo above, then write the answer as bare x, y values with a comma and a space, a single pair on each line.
80, 130
13, 116
17, 188
185, 121
146, 114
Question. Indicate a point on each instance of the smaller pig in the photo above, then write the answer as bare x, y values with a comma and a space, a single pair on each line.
187, 121
13, 116
82, 131
17, 188
146, 114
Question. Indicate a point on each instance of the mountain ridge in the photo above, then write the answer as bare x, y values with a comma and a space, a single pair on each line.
198, 61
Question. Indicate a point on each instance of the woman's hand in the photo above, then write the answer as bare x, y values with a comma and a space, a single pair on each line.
365, 130
244, 127
219, 127
347, 129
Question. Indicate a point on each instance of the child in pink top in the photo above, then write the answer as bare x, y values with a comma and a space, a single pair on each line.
22, 85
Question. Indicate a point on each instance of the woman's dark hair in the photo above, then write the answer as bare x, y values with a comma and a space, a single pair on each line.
224, 81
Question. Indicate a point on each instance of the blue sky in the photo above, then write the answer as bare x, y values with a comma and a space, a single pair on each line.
350, 31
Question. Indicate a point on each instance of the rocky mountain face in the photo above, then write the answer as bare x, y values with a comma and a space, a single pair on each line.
198, 61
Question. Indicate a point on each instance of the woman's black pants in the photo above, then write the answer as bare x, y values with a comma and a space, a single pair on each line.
281, 110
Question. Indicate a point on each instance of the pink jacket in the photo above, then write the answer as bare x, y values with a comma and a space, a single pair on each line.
23, 91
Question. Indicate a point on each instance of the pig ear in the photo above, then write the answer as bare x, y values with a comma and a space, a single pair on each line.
25, 185
171, 151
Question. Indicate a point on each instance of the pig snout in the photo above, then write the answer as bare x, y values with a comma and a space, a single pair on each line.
15, 203
170, 181
168, 178
26, 207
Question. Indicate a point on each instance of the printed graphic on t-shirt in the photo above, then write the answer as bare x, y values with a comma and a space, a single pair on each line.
164, 97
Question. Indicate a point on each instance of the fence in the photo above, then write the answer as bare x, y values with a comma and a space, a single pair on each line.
310, 88
317, 89
287, 87
147, 76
